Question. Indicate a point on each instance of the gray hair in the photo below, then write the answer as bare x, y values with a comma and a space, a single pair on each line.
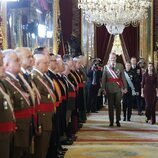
7, 53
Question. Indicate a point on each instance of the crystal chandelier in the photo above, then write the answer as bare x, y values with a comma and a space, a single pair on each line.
114, 14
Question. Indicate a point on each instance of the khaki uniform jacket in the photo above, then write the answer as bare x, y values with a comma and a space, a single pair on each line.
112, 87
6, 118
6, 114
44, 118
19, 103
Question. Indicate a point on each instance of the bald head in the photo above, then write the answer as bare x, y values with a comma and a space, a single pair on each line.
41, 62
77, 62
83, 60
25, 56
11, 61
60, 65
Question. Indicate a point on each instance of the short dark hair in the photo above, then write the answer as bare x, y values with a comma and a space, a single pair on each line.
67, 57
38, 50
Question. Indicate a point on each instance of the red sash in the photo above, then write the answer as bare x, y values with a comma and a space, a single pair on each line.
45, 107
7, 127
72, 94
26, 113
114, 78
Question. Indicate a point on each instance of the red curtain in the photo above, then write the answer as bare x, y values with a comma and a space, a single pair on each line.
130, 41
66, 23
66, 18
104, 43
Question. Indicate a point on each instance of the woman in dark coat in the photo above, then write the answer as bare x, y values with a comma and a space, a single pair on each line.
150, 92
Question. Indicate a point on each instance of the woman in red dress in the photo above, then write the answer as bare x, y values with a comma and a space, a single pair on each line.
150, 93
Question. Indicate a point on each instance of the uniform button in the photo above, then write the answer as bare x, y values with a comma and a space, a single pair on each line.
44, 114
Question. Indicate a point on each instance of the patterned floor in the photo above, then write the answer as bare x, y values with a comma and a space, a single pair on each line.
134, 139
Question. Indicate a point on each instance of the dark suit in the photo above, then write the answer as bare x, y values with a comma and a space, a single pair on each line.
137, 78
93, 84
127, 99
58, 117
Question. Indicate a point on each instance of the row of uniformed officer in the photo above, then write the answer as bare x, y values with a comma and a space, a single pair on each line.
44, 103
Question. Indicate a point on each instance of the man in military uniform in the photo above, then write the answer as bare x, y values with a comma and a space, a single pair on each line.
114, 84
7, 118
22, 105
27, 61
47, 108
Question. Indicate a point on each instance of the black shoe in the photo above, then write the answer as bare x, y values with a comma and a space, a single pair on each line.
140, 113
63, 149
111, 125
80, 125
94, 111
60, 156
128, 120
59, 152
146, 120
124, 119
118, 124
73, 137
67, 142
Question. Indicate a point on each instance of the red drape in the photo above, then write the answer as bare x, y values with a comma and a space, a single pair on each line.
66, 18
66, 23
130, 41
104, 43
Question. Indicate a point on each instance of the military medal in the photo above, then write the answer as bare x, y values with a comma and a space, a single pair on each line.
48, 96
5, 105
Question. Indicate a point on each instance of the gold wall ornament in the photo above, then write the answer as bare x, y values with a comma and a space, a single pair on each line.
87, 38
146, 37
3, 13
1, 34
56, 13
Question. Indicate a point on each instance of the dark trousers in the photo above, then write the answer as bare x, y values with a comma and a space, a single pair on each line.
92, 98
139, 104
150, 113
114, 101
42, 144
127, 106
6, 145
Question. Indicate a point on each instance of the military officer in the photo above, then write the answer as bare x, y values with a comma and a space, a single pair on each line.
114, 83
7, 118
47, 108
27, 61
22, 106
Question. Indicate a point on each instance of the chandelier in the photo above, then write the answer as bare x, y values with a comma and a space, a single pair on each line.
114, 14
